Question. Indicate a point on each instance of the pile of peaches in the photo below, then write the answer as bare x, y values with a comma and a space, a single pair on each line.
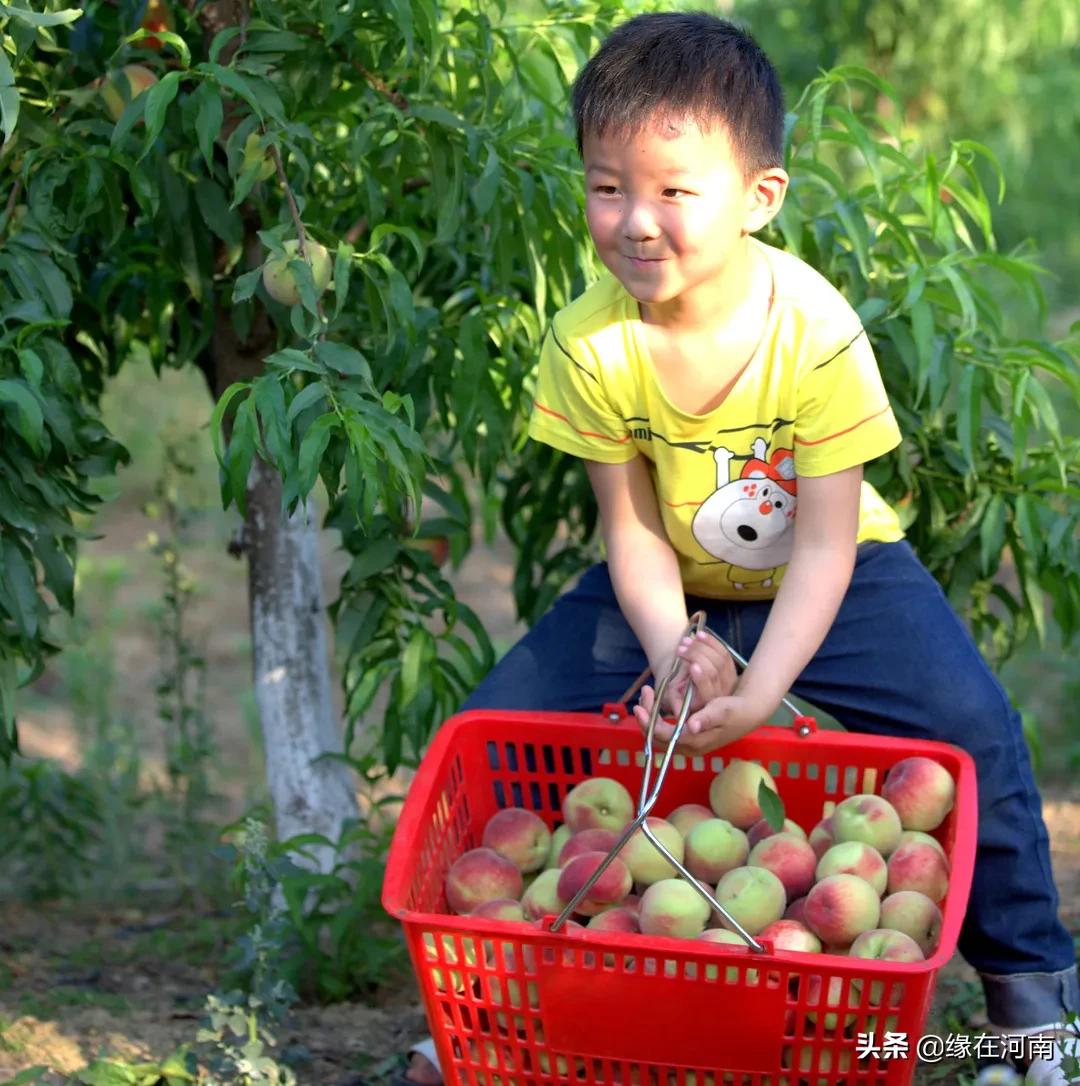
867, 880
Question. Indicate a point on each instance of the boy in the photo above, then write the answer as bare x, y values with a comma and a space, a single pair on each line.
724, 398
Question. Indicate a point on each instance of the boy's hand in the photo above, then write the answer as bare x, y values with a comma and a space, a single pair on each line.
725, 719
721, 721
707, 664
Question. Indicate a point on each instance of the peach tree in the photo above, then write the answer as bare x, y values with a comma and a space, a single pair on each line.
355, 220
168, 196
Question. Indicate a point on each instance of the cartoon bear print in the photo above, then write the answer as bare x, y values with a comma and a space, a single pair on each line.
749, 522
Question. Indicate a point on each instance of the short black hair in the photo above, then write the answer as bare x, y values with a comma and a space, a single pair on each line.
681, 66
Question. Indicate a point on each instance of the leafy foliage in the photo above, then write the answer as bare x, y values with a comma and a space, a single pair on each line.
445, 190
986, 464
987, 471
425, 145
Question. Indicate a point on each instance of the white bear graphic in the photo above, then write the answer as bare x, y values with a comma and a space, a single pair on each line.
749, 521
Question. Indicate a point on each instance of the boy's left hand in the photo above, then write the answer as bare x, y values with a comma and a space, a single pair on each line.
714, 725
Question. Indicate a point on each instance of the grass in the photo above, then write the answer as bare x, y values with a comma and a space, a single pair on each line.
51, 1005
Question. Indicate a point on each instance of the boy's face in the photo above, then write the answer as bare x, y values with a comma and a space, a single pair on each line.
669, 208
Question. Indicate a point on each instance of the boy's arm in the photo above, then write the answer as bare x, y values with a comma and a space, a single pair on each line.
818, 575
642, 563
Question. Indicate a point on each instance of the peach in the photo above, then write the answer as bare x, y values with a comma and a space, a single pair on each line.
453, 980
918, 866
733, 793
686, 817
732, 938
921, 790
500, 909
598, 803
673, 907
886, 946
914, 914
646, 862
587, 841
796, 910
713, 848
854, 858
761, 829
918, 835
823, 1061
833, 997
280, 280
840, 907
631, 902
790, 859
520, 835
480, 875
791, 935
542, 897
867, 818
617, 919
118, 88
558, 840
754, 896
821, 837
609, 889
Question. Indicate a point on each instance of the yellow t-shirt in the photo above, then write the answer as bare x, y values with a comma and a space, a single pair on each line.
810, 402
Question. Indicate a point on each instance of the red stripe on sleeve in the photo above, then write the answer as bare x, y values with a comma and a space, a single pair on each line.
840, 433
583, 433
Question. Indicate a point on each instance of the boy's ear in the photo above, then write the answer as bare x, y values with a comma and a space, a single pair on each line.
765, 197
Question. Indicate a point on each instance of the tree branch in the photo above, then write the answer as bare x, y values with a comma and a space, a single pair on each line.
301, 235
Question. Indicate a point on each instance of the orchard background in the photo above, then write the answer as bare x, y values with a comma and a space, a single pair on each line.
209, 480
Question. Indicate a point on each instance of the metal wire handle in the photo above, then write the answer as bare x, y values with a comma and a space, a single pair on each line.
648, 798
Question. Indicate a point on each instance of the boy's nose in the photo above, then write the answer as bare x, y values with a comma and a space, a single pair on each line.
639, 223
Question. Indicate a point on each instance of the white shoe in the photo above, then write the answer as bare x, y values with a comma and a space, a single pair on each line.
1062, 1068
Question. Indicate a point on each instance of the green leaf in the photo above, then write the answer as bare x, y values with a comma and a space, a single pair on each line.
417, 653
158, 99
9, 110
233, 81
772, 807
343, 259
305, 398
343, 359
41, 18
312, 448
374, 558
9, 96
208, 120
28, 412
133, 113
992, 534
214, 208
219, 414
221, 39
246, 285
969, 411
487, 185
21, 583
169, 38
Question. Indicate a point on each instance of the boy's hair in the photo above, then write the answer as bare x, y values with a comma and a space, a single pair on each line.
684, 66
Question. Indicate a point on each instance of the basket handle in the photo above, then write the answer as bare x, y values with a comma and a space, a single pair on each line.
615, 711
650, 793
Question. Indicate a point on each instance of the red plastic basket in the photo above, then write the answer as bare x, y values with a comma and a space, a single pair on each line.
511, 1004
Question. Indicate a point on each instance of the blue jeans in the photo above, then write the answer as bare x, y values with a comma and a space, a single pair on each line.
897, 661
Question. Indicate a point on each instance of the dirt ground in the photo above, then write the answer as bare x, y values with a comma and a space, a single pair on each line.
76, 983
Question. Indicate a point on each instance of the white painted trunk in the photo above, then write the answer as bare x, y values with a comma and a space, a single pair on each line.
292, 667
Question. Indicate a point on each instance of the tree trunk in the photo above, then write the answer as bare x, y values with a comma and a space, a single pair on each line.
291, 667
291, 657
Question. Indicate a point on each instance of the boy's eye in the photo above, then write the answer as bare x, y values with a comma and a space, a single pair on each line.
671, 193
605, 190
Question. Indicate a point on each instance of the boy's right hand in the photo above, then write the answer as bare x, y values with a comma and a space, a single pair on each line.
706, 663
